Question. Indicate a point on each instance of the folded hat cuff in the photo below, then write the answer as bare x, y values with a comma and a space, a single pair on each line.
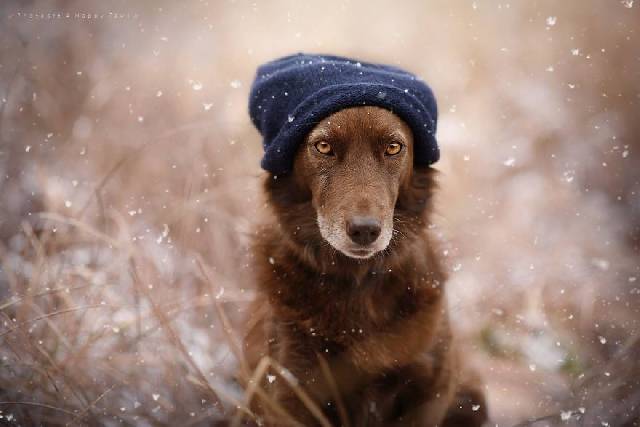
280, 152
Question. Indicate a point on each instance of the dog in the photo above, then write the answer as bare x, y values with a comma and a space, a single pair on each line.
350, 303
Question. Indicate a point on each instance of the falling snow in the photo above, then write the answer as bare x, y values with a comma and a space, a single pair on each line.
130, 186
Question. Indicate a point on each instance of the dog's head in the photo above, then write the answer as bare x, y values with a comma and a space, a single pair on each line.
354, 187
354, 184
353, 163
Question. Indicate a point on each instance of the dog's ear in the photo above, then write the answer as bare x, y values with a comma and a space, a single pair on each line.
290, 188
287, 189
416, 193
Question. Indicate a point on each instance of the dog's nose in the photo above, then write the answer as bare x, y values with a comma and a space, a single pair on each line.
363, 230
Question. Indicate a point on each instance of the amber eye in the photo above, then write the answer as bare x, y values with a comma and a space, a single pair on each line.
324, 147
393, 149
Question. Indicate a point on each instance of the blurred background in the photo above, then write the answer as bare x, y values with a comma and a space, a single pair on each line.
129, 185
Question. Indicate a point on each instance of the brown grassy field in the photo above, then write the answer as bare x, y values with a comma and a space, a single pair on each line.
129, 186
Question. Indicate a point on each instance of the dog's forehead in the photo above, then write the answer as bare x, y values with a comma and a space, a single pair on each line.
371, 122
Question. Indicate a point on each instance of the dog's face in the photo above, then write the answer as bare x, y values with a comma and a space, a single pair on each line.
354, 163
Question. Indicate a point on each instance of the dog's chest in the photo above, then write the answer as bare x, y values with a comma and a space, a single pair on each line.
342, 311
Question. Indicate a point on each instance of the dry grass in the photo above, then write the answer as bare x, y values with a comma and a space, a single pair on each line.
129, 189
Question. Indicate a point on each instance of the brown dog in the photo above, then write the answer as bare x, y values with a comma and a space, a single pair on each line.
351, 291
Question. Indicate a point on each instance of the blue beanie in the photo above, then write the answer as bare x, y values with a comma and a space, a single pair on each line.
290, 95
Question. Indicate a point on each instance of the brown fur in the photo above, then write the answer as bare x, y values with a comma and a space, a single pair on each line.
380, 323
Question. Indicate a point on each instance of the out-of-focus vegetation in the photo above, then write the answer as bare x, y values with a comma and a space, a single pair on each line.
129, 184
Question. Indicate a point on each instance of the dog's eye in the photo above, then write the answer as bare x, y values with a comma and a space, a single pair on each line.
393, 149
324, 147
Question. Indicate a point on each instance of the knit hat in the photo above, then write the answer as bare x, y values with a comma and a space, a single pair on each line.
290, 95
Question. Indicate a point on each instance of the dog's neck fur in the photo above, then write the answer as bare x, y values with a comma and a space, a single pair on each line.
294, 249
